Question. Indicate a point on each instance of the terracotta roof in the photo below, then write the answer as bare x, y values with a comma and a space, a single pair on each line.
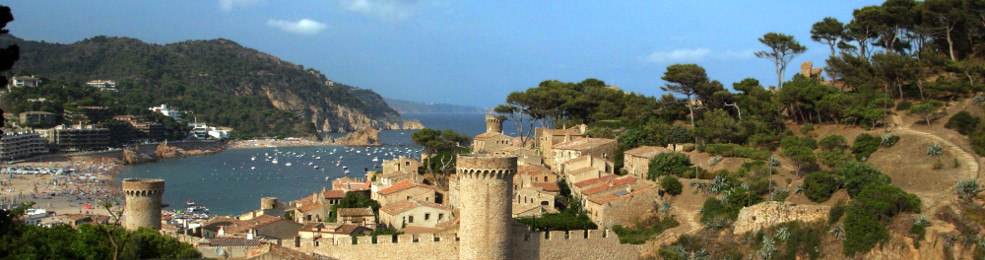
273, 251
311, 226
232, 241
402, 186
487, 135
595, 180
546, 186
609, 185
169, 227
532, 169
328, 194
242, 226
355, 212
607, 198
578, 159
405, 205
646, 151
215, 223
510, 149
572, 131
309, 207
581, 170
582, 144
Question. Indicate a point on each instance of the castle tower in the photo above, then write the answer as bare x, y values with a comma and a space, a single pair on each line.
494, 124
143, 203
268, 203
486, 185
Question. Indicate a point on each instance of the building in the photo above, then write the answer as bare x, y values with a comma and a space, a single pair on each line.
586, 167
528, 174
620, 205
78, 138
268, 207
264, 227
598, 147
356, 216
405, 213
167, 111
406, 190
23, 81
204, 131
102, 85
401, 165
39, 119
19, 145
331, 233
491, 142
534, 201
149, 129
143, 203
546, 139
636, 161
316, 208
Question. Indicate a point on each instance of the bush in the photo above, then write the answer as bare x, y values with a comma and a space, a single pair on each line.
643, 232
833, 158
836, 212
671, 185
808, 127
865, 145
735, 150
855, 176
870, 212
978, 142
832, 142
793, 141
559, 221
668, 163
903, 106
688, 147
963, 122
968, 188
889, 140
818, 186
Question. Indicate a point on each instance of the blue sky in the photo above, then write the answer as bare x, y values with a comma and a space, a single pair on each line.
462, 52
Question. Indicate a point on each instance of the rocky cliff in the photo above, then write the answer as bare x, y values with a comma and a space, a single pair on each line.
366, 136
413, 124
219, 81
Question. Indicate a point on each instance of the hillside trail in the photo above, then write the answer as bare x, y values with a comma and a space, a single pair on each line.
935, 199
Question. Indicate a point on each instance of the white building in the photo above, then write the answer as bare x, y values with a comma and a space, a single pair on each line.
167, 111
21, 145
102, 85
24, 81
204, 131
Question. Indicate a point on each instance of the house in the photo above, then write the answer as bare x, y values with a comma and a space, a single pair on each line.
577, 187
74, 220
621, 205
269, 251
491, 142
348, 184
261, 227
406, 190
357, 216
546, 139
167, 111
331, 233
528, 174
598, 147
401, 165
316, 207
407, 213
102, 85
24, 81
534, 200
586, 167
38, 118
636, 161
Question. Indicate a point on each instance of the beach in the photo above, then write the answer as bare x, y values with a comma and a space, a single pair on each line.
62, 187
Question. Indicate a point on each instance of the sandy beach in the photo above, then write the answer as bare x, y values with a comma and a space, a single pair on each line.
81, 183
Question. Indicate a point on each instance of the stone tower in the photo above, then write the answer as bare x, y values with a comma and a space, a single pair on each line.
143, 203
486, 184
494, 124
268, 203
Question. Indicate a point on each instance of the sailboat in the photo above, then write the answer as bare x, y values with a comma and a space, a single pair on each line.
275, 158
376, 159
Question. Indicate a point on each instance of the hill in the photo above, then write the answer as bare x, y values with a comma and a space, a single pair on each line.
413, 107
220, 81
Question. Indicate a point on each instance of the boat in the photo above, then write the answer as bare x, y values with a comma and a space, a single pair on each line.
376, 159
287, 164
253, 168
254, 158
190, 202
346, 172
316, 167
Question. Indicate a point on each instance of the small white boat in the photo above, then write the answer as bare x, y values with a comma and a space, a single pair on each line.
287, 164
253, 168
316, 167
376, 159
254, 158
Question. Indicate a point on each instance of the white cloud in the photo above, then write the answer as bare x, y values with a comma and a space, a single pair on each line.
678, 55
303, 26
385, 9
228, 5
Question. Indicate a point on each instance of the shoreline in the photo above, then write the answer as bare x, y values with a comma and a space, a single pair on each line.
92, 183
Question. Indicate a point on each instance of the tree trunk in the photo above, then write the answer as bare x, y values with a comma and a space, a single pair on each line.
691, 109
779, 76
950, 42
920, 87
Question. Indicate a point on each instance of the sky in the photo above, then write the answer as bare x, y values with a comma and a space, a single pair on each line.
463, 52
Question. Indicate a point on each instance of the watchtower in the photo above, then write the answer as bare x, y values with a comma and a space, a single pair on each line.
143, 203
486, 184
494, 124
268, 203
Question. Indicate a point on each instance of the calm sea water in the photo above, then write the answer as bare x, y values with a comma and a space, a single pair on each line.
225, 183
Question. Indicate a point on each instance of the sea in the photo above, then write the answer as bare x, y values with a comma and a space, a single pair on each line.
230, 183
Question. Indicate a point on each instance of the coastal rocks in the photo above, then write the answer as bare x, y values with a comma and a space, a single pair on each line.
413, 124
135, 157
768, 214
367, 136
146, 153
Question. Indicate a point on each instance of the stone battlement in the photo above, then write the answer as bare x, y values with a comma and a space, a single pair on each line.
485, 165
143, 184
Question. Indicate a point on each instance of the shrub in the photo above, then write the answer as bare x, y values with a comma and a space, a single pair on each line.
865, 145
818, 186
836, 212
793, 141
903, 106
968, 188
688, 147
643, 232
889, 140
668, 163
963, 122
935, 150
833, 158
978, 142
868, 214
671, 185
714, 160
808, 127
735, 150
832, 142
855, 176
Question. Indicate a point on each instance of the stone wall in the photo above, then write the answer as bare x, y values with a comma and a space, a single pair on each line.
768, 214
626, 210
486, 193
143, 203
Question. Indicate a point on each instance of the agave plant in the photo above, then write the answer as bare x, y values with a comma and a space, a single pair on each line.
838, 231
782, 233
921, 220
768, 248
935, 150
665, 206
968, 188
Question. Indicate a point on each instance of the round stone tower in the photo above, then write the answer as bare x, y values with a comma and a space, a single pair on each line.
143, 203
494, 124
486, 184
268, 203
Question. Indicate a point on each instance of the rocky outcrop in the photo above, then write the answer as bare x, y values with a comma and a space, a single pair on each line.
413, 124
768, 214
366, 136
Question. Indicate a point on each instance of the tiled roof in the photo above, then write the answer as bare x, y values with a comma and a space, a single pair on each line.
487, 135
273, 251
607, 198
355, 212
582, 144
595, 180
328, 194
309, 207
217, 222
609, 185
579, 159
646, 151
532, 169
581, 170
311, 226
231, 241
546, 186
572, 131
402, 186
243, 226
405, 205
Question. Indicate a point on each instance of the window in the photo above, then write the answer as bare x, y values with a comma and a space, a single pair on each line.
410, 219
408, 197
441, 216
427, 216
